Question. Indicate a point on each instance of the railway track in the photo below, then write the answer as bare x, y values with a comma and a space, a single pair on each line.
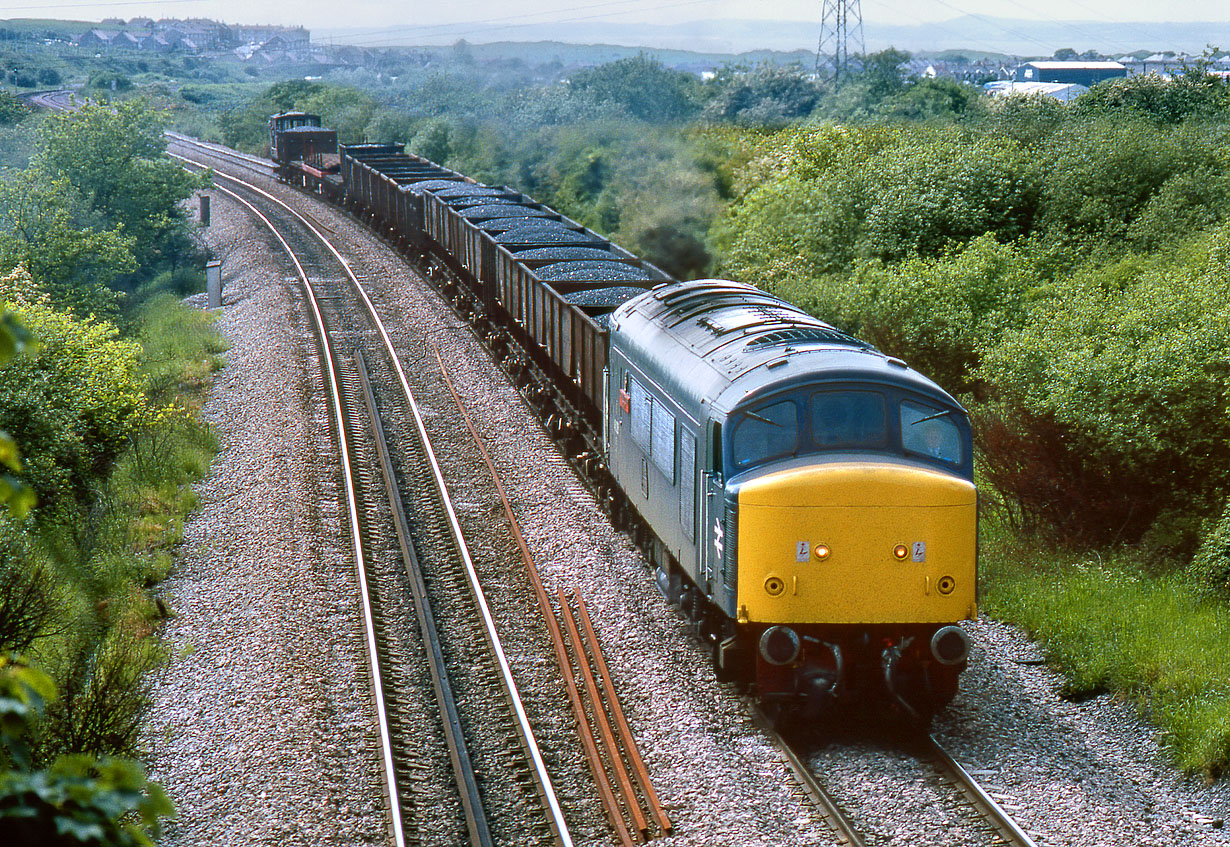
985, 814
627, 795
500, 780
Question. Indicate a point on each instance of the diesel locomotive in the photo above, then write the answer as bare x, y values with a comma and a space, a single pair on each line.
806, 499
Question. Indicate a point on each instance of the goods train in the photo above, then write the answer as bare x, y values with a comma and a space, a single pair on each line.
805, 499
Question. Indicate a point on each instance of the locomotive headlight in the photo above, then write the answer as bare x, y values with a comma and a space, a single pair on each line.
822, 551
901, 551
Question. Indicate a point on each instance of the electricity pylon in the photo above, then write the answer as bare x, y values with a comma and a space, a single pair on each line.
837, 18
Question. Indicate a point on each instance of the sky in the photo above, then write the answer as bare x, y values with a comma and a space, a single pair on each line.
484, 18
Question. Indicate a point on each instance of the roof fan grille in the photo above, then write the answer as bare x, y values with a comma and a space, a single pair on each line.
813, 333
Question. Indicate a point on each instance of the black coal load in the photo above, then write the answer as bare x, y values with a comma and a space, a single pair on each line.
565, 254
468, 189
545, 232
437, 185
603, 297
591, 270
502, 210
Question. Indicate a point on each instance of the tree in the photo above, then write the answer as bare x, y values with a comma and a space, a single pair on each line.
461, 52
767, 95
46, 227
284, 95
883, 75
1065, 54
644, 88
432, 141
114, 156
933, 98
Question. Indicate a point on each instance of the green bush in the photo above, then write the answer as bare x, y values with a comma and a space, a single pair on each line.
1210, 566
829, 196
26, 602
1195, 94
941, 313
643, 88
1026, 119
930, 99
927, 198
12, 108
79, 800
1109, 406
1095, 197
72, 405
801, 205
180, 282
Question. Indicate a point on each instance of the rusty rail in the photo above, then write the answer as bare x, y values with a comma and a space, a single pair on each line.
631, 750
606, 790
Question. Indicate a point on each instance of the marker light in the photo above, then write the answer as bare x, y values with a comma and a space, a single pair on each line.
901, 551
822, 551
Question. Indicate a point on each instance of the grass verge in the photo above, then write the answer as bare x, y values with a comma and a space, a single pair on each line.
1112, 623
97, 568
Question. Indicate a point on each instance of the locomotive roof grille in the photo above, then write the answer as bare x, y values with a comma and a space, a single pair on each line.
745, 316
827, 335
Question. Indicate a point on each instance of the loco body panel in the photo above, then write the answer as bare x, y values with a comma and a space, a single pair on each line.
857, 542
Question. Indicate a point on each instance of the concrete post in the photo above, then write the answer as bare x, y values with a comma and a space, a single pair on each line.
213, 283
204, 210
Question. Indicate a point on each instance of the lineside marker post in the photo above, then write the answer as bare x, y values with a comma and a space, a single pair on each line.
213, 284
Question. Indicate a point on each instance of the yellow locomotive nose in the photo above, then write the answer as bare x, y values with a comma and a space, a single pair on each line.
899, 542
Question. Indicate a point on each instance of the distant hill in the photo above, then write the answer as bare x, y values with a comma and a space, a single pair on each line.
725, 36
568, 55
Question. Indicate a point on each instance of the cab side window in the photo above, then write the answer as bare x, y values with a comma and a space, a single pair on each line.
641, 415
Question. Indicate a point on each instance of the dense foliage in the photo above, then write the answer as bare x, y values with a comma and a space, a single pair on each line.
1059, 276
1062, 269
73, 404
79, 799
12, 108
113, 157
99, 378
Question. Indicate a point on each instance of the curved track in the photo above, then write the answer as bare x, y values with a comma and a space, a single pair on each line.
336, 298
996, 823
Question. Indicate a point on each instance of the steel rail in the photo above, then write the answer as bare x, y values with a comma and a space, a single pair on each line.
558, 824
621, 722
604, 727
843, 828
1005, 827
352, 505
588, 741
459, 755
254, 162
